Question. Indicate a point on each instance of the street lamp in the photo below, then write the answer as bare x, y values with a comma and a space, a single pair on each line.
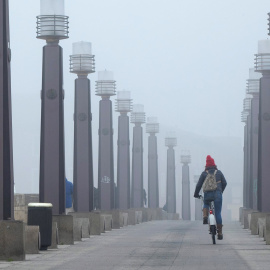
185, 160
6, 145
244, 118
152, 127
52, 26
105, 87
137, 118
253, 89
247, 182
262, 65
82, 62
123, 106
171, 142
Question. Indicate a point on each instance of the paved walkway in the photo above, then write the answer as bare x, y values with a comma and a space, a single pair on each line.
184, 245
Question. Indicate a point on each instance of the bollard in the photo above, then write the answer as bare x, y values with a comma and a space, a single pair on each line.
65, 229
12, 240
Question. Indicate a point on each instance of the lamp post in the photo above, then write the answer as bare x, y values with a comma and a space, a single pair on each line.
123, 105
152, 127
171, 142
52, 26
137, 118
82, 63
6, 146
262, 65
249, 184
244, 116
198, 203
105, 87
253, 88
185, 160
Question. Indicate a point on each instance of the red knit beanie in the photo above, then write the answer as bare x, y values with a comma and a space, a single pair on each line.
210, 161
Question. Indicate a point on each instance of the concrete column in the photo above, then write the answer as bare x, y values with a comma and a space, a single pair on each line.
171, 188
185, 192
83, 163
105, 160
52, 150
254, 148
153, 187
123, 163
6, 147
137, 167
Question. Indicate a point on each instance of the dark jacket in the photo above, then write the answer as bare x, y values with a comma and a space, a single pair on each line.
219, 178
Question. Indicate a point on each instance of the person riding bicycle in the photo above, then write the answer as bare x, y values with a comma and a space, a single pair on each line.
221, 183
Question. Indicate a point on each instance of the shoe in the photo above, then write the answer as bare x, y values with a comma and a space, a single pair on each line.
205, 215
219, 231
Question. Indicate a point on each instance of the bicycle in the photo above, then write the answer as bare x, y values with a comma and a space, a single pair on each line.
211, 220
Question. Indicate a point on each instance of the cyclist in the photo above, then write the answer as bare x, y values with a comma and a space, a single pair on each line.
211, 168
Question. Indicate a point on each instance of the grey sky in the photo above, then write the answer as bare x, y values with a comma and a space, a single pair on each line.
186, 61
177, 57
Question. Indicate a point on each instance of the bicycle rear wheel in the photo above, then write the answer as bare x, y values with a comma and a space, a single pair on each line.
214, 238
213, 233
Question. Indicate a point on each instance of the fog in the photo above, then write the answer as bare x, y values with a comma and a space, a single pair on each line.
186, 61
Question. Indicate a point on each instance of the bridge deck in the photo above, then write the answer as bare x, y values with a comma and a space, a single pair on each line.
184, 245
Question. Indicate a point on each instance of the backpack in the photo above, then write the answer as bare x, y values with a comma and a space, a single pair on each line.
210, 183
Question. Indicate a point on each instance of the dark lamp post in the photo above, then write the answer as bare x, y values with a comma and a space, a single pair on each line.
152, 127
137, 118
52, 26
262, 65
123, 105
185, 160
171, 142
105, 87
82, 63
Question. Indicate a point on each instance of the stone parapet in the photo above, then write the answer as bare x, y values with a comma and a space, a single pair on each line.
21, 202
